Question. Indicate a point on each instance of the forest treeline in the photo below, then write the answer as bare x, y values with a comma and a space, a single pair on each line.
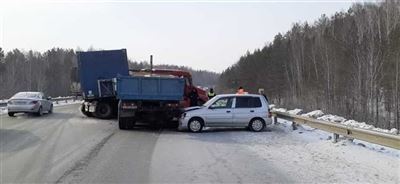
346, 64
52, 72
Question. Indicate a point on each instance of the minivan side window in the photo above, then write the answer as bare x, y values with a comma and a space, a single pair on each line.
222, 103
248, 102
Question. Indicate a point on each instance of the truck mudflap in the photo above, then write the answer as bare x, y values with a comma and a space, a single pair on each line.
89, 106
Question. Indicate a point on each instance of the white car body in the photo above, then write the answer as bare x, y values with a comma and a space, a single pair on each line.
233, 114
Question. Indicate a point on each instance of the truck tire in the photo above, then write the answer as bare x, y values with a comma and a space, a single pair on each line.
11, 114
103, 110
39, 112
126, 123
86, 113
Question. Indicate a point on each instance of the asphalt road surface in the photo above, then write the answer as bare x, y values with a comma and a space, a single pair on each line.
67, 147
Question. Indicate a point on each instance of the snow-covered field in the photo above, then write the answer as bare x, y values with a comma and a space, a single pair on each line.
310, 155
318, 114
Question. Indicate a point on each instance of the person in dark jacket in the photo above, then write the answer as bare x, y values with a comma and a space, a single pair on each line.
211, 93
194, 98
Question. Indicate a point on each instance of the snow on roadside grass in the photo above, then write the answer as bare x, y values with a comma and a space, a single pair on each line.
332, 118
279, 110
68, 102
314, 114
318, 114
308, 155
295, 111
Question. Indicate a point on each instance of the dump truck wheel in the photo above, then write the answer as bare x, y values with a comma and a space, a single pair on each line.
103, 110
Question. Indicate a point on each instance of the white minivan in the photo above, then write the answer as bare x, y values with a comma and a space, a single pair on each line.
228, 110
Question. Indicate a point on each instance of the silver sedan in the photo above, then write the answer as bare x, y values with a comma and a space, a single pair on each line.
29, 102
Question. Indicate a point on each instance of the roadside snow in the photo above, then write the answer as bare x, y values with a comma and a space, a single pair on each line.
318, 114
314, 114
308, 155
279, 110
295, 111
332, 118
68, 102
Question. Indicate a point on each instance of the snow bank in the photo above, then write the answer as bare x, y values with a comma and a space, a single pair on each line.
355, 124
318, 114
295, 111
341, 162
314, 114
279, 110
68, 102
271, 106
332, 118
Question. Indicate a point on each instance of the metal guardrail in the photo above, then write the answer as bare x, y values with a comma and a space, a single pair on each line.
55, 100
380, 138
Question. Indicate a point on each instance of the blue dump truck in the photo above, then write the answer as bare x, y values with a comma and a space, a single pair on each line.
108, 90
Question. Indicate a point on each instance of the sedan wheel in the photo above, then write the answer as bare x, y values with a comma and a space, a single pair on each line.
195, 125
257, 125
40, 112
51, 109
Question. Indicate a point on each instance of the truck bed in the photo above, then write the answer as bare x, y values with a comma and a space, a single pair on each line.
149, 88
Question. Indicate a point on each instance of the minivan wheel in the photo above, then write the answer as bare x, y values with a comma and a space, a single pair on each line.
257, 125
11, 114
195, 125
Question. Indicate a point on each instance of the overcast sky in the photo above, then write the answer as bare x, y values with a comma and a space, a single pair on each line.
202, 35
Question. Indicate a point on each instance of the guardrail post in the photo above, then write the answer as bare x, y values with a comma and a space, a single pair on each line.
335, 138
294, 126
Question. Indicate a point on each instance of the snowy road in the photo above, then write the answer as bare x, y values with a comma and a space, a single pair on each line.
68, 147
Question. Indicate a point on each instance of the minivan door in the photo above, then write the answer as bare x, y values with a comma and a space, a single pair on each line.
220, 112
245, 109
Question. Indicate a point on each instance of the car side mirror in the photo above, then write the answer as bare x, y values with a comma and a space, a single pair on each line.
48, 98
